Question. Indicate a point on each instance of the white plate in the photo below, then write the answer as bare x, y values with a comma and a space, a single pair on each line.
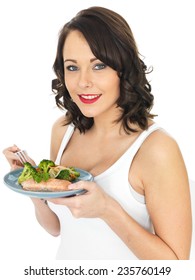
11, 180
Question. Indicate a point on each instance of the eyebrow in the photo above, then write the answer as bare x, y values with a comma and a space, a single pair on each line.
75, 61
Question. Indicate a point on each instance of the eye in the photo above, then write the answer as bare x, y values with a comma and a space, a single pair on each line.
99, 66
72, 68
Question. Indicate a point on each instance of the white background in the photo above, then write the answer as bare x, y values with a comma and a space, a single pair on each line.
164, 31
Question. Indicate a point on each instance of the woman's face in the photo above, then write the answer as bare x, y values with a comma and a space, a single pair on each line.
92, 85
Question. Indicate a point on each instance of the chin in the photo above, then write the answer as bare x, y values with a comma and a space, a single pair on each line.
89, 114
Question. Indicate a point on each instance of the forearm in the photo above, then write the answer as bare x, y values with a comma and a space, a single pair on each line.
46, 217
142, 243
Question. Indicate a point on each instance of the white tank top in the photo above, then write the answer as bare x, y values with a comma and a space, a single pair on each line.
92, 238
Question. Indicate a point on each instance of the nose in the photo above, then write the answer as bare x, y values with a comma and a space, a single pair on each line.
85, 79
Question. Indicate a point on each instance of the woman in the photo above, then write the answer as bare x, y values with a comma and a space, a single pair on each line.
138, 206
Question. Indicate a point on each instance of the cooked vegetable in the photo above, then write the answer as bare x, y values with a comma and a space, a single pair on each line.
28, 172
45, 165
69, 174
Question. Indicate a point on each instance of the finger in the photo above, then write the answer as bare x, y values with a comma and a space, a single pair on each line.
15, 148
67, 201
11, 149
80, 185
11, 157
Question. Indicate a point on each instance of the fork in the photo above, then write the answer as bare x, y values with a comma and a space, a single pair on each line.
21, 154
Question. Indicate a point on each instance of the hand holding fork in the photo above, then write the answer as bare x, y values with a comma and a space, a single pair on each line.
16, 157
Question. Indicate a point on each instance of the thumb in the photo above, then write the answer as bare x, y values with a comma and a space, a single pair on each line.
14, 148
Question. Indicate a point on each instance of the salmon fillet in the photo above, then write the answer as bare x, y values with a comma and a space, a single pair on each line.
53, 185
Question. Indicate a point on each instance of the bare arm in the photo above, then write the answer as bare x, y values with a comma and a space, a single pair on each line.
46, 217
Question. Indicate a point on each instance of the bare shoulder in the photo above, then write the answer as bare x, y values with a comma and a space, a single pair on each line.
158, 161
159, 145
58, 130
160, 150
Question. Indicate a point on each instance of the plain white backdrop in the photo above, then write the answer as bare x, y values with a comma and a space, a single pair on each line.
164, 31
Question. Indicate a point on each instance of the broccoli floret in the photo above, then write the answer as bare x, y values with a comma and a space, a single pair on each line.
64, 174
69, 174
45, 165
43, 170
40, 176
28, 172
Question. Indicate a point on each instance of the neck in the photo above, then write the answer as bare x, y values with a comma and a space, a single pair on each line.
106, 123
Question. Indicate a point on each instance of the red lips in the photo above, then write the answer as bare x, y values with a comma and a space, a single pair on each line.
89, 98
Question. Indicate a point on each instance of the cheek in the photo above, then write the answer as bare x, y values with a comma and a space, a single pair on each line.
117, 85
69, 84
109, 82
114, 87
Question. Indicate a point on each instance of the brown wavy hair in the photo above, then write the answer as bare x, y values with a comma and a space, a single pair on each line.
111, 41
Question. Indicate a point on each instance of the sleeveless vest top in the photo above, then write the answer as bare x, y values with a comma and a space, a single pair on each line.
92, 238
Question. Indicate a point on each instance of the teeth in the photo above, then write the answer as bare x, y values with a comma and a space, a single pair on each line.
89, 96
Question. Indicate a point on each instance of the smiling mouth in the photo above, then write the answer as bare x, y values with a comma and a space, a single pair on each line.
89, 98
